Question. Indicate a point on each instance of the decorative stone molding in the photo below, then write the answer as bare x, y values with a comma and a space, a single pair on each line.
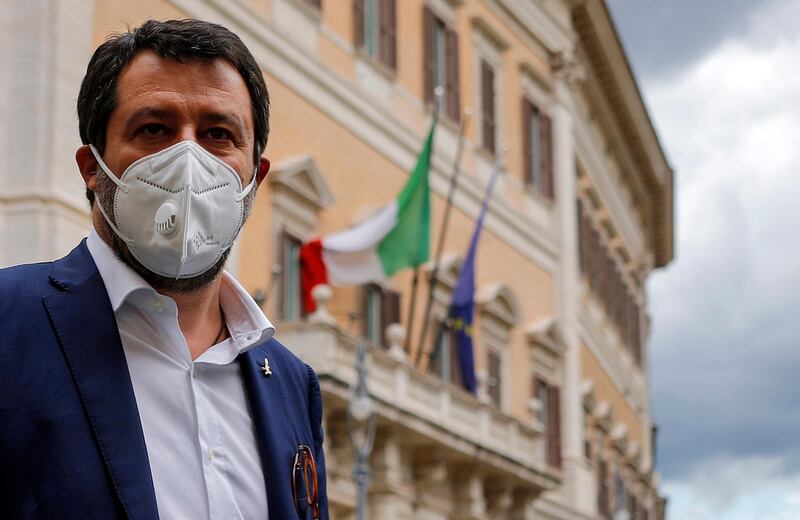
301, 176
546, 333
603, 416
499, 301
633, 454
619, 437
299, 192
567, 67
588, 395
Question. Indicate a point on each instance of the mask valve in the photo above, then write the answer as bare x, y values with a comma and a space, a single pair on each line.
166, 220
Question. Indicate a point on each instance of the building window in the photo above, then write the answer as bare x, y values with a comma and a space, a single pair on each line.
619, 494
291, 299
381, 308
603, 490
549, 399
444, 357
537, 146
608, 284
375, 23
441, 63
488, 107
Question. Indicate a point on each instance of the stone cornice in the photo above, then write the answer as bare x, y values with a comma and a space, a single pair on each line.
607, 58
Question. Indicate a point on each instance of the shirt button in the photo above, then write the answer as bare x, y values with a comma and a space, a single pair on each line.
210, 454
159, 305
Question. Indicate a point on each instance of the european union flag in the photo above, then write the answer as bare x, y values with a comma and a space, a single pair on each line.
462, 309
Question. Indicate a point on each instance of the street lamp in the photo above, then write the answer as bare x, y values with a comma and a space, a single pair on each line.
361, 428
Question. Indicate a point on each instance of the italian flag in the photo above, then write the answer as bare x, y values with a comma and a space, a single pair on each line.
395, 237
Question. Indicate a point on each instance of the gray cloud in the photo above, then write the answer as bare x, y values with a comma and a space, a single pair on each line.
661, 37
725, 351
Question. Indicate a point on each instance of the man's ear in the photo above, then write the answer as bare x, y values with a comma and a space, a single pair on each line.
87, 165
263, 170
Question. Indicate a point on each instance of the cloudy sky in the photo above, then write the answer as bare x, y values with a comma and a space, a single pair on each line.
722, 81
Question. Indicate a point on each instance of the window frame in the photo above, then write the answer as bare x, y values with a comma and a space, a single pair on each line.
441, 63
382, 45
386, 305
538, 149
297, 312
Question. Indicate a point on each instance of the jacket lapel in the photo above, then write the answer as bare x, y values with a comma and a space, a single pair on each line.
87, 331
274, 433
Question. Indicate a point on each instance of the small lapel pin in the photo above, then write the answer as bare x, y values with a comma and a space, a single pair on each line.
266, 368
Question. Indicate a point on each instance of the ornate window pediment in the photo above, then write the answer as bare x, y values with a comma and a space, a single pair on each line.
300, 176
497, 301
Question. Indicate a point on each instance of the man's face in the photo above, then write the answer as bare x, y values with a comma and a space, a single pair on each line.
161, 102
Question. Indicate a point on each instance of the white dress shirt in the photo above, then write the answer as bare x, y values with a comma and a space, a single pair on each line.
195, 415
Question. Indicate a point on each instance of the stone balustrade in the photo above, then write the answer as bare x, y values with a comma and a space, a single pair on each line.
430, 423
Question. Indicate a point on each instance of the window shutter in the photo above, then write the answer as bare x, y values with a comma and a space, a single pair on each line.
546, 154
358, 22
527, 153
455, 360
365, 290
493, 359
390, 312
487, 106
602, 489
581, 237
383, 31
429, 26
435, 356
391, 36
554, 426
452, 87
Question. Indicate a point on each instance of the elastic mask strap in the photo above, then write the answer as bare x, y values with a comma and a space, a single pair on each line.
249, 186
111, 224
121, 185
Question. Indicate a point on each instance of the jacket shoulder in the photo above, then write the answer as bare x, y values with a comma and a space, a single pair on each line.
24, 283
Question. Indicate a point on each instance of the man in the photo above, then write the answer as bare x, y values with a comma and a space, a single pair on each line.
139, 380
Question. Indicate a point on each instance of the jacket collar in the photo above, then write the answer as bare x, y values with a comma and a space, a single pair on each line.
87, 331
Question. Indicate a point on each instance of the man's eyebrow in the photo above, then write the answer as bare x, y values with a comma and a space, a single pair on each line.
147, 112
225, 118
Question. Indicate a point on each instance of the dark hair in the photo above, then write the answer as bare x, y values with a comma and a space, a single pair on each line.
180, 40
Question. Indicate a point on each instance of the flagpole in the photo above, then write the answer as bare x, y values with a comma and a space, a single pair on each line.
434, 280
438, 94
442, 234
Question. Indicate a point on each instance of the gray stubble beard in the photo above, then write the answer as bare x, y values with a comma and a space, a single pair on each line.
104, 194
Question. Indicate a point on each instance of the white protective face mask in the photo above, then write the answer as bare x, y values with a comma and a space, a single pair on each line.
178, 210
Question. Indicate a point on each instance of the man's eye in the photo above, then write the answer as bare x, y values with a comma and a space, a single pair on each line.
219, 134
153, 129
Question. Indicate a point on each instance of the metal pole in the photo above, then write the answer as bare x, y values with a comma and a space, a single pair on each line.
438, 93
361, 419
442, 234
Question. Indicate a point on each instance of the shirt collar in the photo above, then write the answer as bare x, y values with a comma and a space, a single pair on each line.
120, 280
246, 322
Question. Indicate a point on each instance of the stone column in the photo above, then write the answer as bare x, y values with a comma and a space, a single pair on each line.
469, 494
391, 492
575, 471
45, 47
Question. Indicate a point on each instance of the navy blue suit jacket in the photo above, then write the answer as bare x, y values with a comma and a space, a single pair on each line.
71, 443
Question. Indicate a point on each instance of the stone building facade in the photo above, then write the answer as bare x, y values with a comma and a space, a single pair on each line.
560, 427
